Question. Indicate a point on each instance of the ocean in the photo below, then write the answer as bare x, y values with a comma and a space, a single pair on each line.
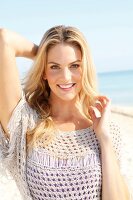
118, 86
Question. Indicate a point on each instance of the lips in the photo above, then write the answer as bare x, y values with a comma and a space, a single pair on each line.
66, 86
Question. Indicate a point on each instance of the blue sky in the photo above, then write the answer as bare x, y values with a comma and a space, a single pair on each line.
107, 25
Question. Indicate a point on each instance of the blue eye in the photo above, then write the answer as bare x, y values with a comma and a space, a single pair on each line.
75, 65
54, 67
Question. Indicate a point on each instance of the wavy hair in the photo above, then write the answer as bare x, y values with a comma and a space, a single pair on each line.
37, 90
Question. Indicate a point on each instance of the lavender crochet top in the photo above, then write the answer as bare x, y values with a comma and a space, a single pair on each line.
69, 168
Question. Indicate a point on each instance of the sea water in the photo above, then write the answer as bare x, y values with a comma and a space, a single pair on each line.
118, 86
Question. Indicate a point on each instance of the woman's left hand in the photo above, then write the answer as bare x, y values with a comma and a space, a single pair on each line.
100, 115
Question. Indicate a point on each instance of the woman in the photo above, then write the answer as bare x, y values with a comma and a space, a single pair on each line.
57, 140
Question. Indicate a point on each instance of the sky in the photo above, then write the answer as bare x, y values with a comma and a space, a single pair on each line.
107, 26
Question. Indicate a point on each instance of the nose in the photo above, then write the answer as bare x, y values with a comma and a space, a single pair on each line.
66, 74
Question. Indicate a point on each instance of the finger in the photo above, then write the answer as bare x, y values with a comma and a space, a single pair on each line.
99, 106
102, 97
108, 105
95, 113
103, 100
92, 113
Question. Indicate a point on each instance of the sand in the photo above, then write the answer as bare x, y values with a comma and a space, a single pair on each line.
125, 120
124, 117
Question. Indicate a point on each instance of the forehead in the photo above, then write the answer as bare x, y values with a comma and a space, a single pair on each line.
62, 53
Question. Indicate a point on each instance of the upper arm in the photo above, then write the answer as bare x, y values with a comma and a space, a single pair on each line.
10, 86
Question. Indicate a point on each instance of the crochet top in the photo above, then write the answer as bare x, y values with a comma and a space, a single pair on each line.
68, 168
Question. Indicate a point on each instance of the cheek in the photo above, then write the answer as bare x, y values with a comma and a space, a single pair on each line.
78, 75
51, 77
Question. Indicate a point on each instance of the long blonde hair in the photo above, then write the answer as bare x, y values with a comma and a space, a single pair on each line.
37, 90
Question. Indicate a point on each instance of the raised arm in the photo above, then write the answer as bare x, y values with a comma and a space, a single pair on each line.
11, 46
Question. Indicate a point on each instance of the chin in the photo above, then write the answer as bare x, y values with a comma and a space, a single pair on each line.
68, 98
64, 97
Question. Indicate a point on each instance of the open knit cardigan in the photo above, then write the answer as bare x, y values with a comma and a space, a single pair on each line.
69, 168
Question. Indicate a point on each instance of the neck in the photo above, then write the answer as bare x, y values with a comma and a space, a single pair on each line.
68, 115
65, 110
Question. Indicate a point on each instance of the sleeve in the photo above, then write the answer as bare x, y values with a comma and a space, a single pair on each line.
123, 154
17, 126
116, 140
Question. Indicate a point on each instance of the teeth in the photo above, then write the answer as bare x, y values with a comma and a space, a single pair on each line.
66, 85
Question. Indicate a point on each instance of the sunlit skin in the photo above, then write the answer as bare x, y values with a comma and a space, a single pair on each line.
64, 76
64, 72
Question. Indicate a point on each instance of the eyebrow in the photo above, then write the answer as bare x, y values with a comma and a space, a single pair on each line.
59, 64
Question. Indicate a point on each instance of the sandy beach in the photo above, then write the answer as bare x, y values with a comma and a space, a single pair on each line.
124, 117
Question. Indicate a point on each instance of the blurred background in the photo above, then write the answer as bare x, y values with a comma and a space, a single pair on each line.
108, 28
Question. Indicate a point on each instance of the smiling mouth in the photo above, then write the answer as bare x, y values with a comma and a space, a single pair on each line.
66, 86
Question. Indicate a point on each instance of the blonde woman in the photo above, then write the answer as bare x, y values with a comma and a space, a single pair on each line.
56, 138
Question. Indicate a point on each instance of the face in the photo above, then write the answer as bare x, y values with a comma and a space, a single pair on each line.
63, 71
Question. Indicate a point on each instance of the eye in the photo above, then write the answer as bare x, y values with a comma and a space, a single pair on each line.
75, 65
54, 67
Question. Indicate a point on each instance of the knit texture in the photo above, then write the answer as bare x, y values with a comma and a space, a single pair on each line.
68, 168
